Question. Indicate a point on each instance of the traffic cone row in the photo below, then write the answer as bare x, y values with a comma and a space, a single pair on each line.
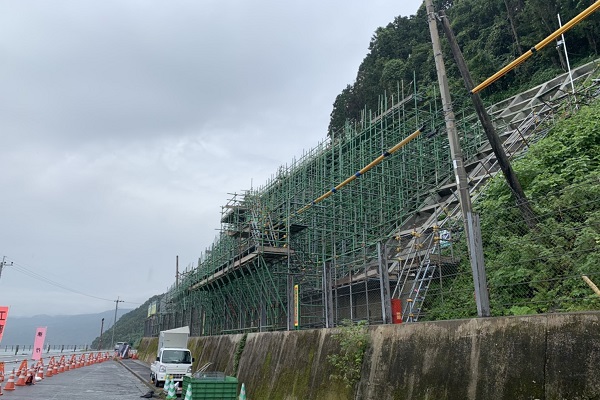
28, 376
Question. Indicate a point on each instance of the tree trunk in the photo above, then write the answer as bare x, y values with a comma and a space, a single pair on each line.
511, 20
592, 41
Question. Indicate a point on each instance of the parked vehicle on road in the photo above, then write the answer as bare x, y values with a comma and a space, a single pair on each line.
173, 358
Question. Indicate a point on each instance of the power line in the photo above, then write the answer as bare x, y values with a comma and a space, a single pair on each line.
26, 271
2, 264
117, 301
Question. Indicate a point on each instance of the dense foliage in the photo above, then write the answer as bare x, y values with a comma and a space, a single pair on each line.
540, 270
561, 175
490, 34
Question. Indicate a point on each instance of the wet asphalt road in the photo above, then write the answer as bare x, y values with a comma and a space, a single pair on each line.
108, 380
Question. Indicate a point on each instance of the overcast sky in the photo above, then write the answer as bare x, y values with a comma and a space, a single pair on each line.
125, 126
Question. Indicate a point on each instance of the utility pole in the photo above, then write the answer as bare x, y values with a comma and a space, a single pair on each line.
176, 271
471, 229
117, 301
488, 127
3, 263
100, 339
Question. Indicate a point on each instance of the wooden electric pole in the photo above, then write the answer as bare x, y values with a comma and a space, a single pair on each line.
3, 263
100, 337
488, 127
471, 221
117, 301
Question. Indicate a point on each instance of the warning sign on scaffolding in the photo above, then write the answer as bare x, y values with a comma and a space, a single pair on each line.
445, 238
152, 309
296, 307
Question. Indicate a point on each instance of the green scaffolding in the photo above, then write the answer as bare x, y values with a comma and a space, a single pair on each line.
283, 260
271, 241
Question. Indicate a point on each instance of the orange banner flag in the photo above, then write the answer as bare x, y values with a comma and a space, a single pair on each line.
3, 317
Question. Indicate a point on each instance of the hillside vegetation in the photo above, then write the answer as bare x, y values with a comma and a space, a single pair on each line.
539, 270
490, 33
129, 328
561, 174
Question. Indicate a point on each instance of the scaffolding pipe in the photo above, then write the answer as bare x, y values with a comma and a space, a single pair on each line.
580, 17
365, 169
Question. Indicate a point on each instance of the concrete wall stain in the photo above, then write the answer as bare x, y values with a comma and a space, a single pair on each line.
545, 357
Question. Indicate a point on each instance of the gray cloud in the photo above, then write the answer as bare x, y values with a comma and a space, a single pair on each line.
125, 125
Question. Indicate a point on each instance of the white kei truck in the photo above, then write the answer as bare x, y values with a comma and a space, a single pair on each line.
172, 357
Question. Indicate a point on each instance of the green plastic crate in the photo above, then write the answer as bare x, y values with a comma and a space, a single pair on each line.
219, 387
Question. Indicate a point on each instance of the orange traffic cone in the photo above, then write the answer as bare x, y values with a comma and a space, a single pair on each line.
49, 371
21, 378
10, 384
55, 369
40, 373
29, 380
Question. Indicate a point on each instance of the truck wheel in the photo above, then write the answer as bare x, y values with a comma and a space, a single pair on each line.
156, 383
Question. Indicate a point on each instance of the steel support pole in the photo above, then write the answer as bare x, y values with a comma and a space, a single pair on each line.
478, 267
384, 285
457, 159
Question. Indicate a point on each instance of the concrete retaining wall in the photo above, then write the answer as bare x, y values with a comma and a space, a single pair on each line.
554, 356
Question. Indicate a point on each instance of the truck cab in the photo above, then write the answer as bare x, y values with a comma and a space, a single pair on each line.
173, 362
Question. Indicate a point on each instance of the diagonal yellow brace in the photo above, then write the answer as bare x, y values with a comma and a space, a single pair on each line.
365, 169
580, 17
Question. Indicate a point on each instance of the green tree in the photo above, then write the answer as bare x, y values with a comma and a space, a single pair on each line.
490, 33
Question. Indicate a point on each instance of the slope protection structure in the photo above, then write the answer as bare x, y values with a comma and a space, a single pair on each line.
520, 121
283, 262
